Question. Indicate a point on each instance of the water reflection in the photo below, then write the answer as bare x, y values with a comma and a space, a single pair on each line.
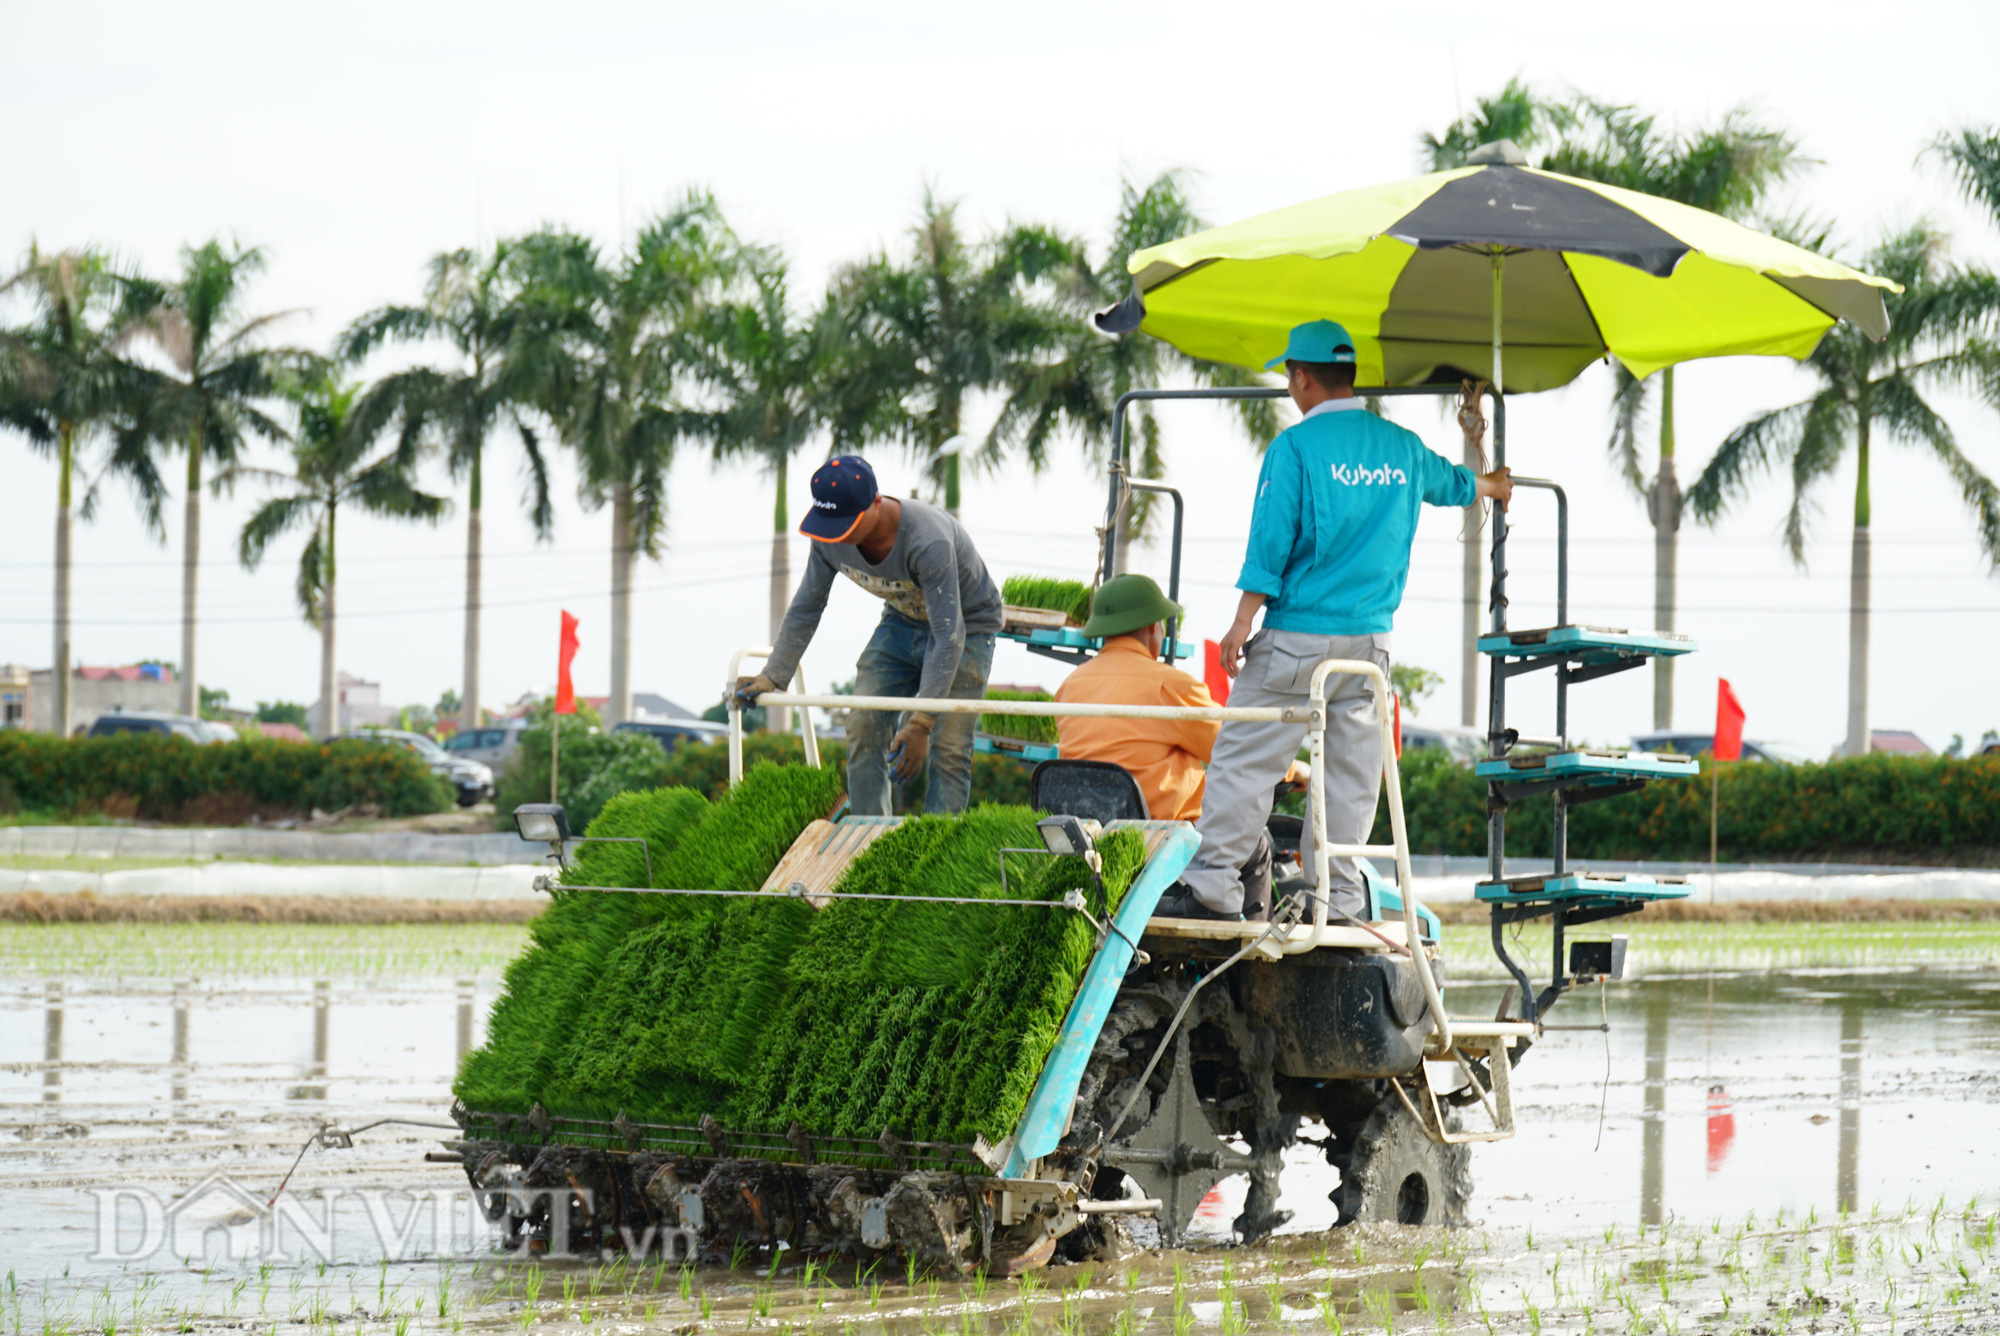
466, 994
52, 1043
1652, 1172
1848, 1173
179, 1090
322, 1004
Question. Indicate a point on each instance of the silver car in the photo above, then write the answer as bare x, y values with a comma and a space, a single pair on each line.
473, 781
492, 745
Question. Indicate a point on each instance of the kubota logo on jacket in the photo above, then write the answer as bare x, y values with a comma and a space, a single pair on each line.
1384, 476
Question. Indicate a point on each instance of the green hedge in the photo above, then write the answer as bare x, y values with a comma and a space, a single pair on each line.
167, 778
598, 766
1914, 806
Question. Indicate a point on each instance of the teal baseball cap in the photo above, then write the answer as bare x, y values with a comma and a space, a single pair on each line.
1316, 341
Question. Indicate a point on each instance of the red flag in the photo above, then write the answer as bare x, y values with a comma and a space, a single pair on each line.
1211, 672
1728, 723
565, 689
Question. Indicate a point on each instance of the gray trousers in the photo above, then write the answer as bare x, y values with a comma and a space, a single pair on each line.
1250, 759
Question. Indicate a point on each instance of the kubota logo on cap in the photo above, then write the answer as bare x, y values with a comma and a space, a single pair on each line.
827, 505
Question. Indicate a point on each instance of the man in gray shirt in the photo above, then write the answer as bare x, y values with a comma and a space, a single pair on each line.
935, 638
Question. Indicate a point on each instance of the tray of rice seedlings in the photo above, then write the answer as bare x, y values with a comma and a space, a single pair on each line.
1021, 727
1038, 602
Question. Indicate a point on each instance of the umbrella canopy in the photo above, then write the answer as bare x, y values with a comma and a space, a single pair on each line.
1417, 269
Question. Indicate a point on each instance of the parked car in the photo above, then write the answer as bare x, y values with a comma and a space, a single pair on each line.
1694, 744
671, 733
1465, 745
492, 745
473, 781
195, 730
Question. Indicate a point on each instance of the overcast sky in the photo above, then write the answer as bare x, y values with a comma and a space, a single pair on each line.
356, 141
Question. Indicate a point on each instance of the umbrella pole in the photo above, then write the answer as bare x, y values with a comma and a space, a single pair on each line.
1499, 261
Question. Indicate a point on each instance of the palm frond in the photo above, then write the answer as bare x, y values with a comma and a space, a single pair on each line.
1628, 414
1972, 155
1743, 454
268, 521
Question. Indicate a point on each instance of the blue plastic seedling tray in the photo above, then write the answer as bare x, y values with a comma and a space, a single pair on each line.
1591, 644
1589, 767
1584, 890
1069, 637
1015, 748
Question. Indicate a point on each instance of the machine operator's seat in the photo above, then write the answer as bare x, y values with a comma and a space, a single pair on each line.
1094, 790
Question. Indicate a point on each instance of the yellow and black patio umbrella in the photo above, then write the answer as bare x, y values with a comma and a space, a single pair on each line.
1433, 276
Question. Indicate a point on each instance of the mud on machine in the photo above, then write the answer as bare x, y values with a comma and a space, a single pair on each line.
1192, 1050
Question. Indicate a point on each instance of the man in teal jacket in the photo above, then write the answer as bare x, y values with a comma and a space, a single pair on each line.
1329, 551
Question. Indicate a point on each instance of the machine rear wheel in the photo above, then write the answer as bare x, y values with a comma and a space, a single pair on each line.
1394, 1173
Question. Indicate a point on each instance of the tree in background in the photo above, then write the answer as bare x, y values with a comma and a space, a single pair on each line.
765, 372
283, 712
623, 339
924, 333
206, 403
332, 467
1526, 118
1412, 683
1727, 168
471, 304
1079, 386
1934, 342
64, 385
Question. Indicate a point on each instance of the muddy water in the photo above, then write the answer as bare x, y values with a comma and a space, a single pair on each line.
1709, 1106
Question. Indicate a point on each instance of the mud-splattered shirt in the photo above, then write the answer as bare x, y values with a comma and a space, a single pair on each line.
932, 576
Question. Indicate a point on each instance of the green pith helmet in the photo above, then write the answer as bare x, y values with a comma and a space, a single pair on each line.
1128, 603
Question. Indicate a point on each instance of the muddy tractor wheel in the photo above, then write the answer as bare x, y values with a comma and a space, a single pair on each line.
1393, 1173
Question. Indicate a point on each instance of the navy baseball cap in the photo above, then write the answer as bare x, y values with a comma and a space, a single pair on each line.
1317, 341
843, 488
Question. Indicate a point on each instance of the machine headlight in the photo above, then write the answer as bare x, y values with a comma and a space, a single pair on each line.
1069, 835
541, 823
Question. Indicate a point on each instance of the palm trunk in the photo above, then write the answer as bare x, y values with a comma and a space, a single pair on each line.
1857, 605
468, 710
329, 686
65, 462
619, 708
780, 717
190, 576
1666, 508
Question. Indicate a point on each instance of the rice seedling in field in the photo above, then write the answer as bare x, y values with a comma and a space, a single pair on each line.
1069, 597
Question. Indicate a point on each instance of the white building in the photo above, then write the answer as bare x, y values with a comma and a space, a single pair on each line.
360, 706
94, 691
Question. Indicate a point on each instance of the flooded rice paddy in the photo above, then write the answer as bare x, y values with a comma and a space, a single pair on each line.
1804, 1142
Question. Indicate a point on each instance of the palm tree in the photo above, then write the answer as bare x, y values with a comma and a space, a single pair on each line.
1080, 386
623, 344
207, 404
767, 373
1726, 168
955, 317
471, 302
62, 384
1517, 113
1934, 342
1524, 117
332, 468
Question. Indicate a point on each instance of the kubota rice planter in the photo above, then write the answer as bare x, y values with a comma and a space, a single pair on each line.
1134, 1062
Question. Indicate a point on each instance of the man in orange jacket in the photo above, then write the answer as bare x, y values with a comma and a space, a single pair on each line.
1166, 756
